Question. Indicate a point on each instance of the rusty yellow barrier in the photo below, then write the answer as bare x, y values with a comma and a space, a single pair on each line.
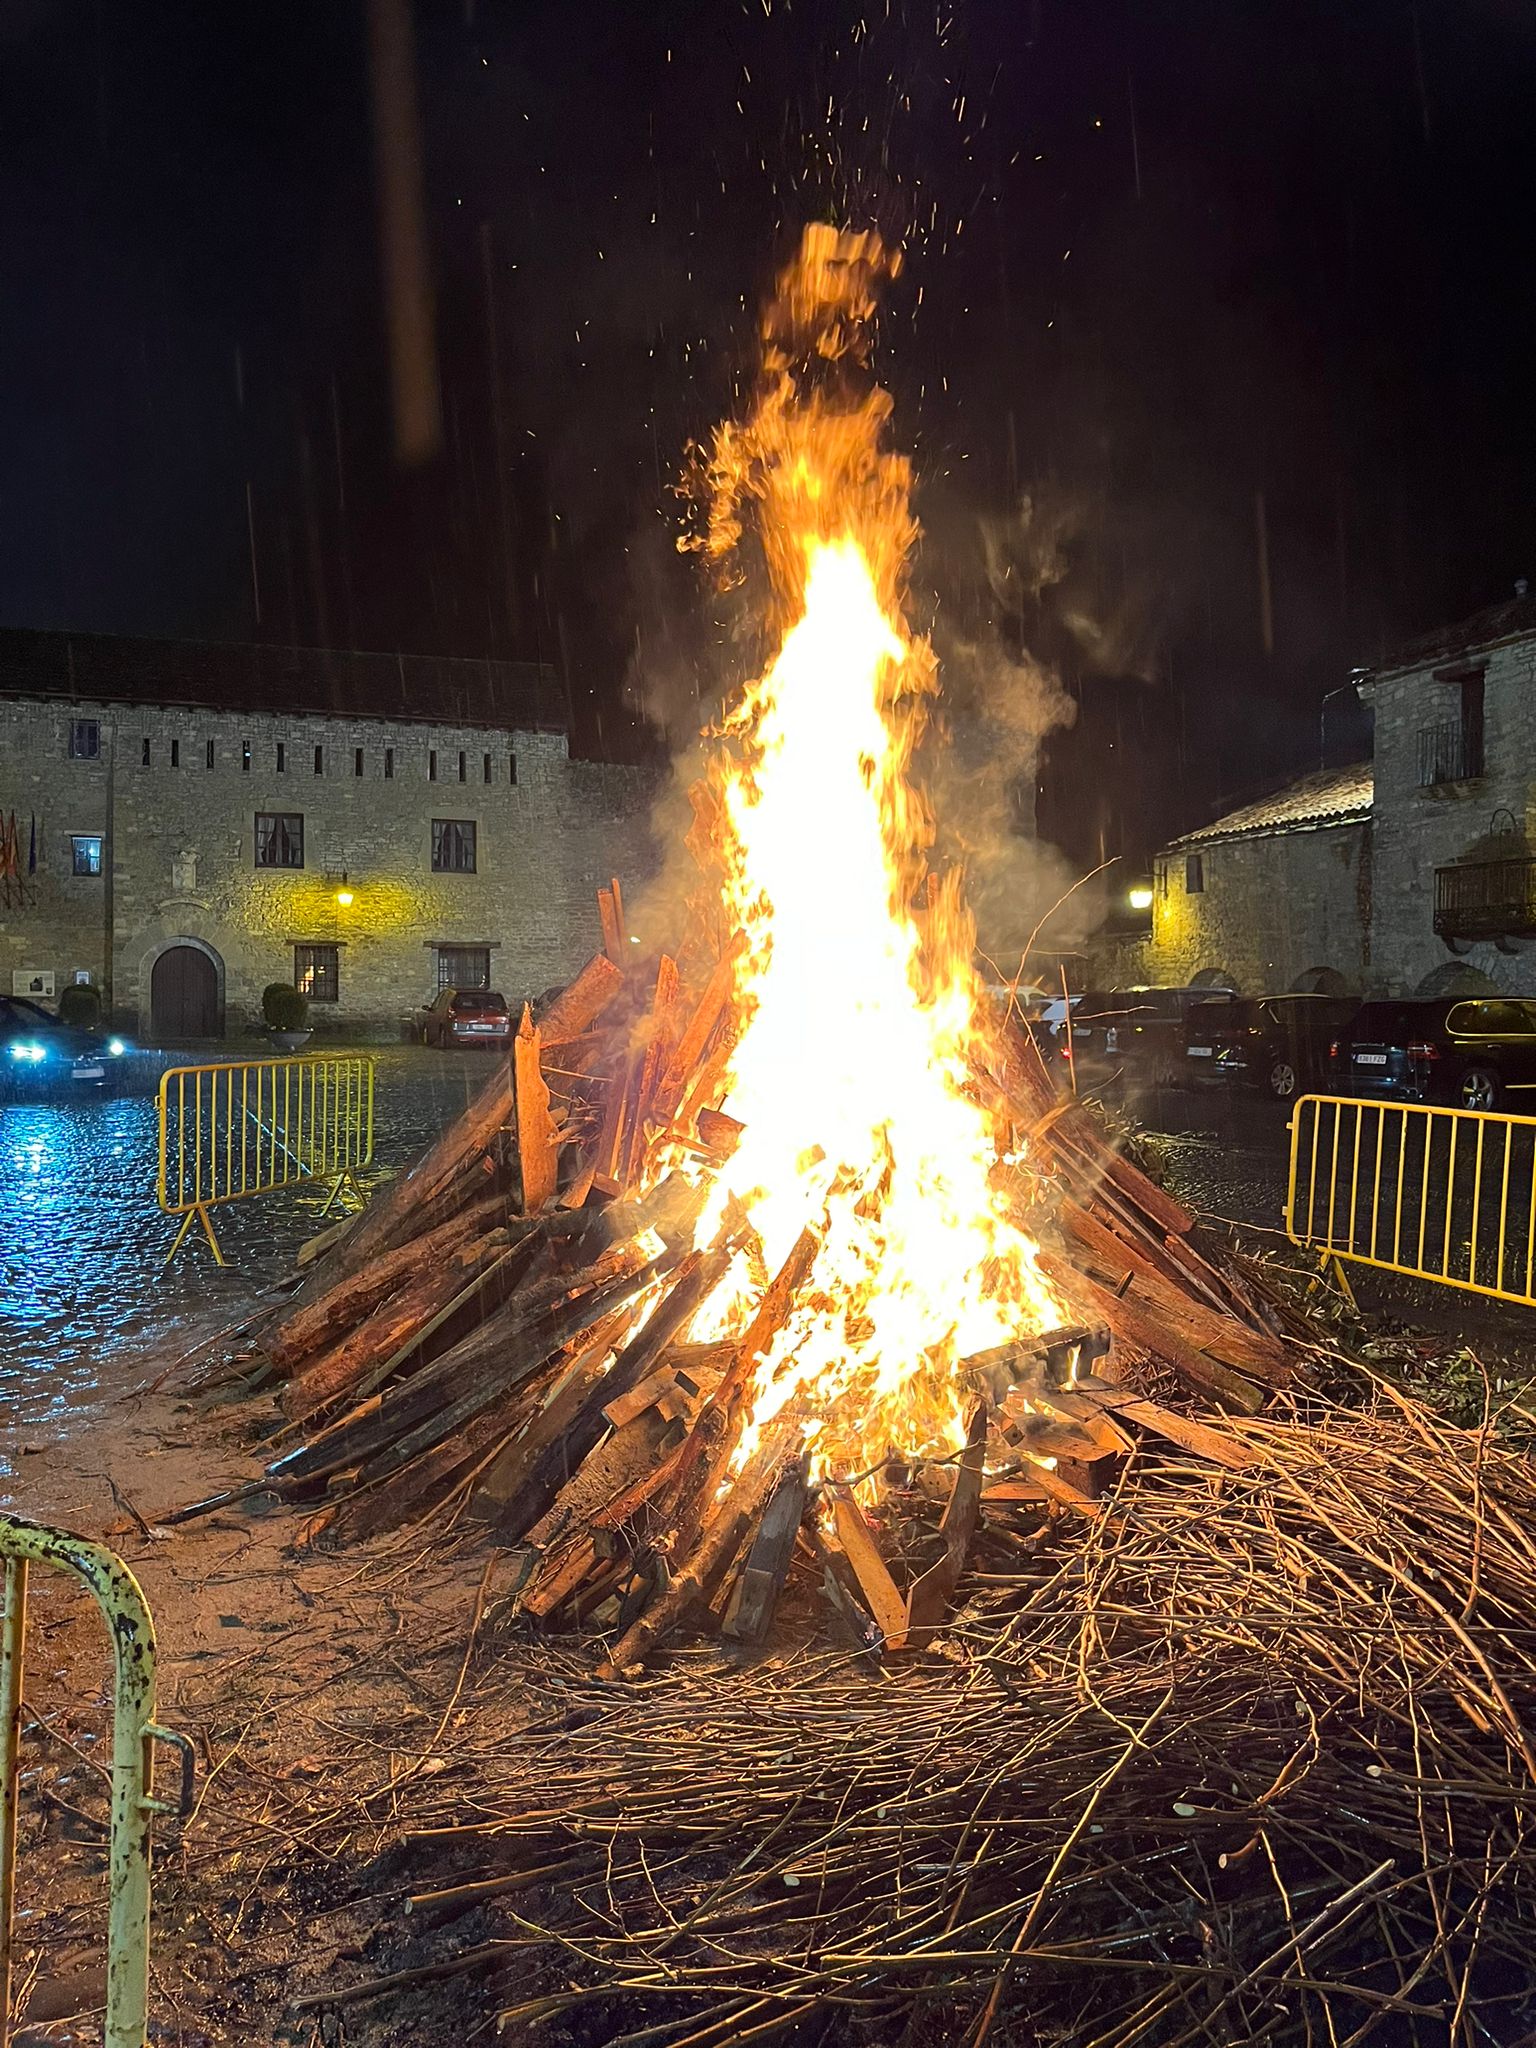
134, 1733
240, 1128
1437, 1194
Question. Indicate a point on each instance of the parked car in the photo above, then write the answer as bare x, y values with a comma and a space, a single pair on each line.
465, 1016
1137, 1033
1277, 1043
1470, 1053
38, 1052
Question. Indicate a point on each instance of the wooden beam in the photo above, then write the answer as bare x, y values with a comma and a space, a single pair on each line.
857, 1542
928, 1601
537, 1155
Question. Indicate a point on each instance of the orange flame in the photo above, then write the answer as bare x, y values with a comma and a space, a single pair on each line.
857, 1018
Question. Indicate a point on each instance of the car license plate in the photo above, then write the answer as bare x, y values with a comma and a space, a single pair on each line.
1199, 1052
90, 1073
1370, 1059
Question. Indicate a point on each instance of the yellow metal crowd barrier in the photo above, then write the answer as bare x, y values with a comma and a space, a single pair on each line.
134, 1733
247, 1127
1438, 1194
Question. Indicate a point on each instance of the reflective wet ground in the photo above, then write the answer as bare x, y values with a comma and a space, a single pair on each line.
84, 1301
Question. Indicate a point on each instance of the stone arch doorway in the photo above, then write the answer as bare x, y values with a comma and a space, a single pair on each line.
185, 999
1455, 978
1321, 981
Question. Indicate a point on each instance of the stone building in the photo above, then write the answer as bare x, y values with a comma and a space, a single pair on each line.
193, 822
1274, 895
1454, 896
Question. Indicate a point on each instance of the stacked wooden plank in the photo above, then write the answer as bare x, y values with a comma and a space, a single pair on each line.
503, 1335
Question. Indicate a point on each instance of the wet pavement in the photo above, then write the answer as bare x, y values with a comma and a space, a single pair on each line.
85, 1308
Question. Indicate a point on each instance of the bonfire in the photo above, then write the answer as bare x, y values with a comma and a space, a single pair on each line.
1164, 1700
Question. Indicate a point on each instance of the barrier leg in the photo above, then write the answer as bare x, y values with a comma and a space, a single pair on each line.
11, 1641
198, 1214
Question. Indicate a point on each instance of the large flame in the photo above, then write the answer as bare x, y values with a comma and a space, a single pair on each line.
857, 1007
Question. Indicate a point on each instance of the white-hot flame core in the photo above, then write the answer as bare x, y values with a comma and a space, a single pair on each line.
851, 1073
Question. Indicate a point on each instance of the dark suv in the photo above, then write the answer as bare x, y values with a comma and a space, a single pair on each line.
1278, 1043
1468, 1052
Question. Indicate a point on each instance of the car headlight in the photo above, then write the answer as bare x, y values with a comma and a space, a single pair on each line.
116, 1048
23, 1049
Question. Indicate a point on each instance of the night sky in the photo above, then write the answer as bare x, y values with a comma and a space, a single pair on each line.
1162, 260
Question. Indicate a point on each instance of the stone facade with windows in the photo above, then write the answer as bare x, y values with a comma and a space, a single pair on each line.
1412, 875
1270, 897
195, 822
1455, 817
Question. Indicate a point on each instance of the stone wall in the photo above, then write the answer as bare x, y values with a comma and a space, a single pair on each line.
180, 867
1417, 830
1276, 906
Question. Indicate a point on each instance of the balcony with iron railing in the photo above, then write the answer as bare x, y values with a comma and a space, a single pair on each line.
1452, 752
1490, 899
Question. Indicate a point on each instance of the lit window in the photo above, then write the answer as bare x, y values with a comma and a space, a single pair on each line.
279, 839
317, 972
84, 739
245, 757
85, 848
453, 846
1194, 874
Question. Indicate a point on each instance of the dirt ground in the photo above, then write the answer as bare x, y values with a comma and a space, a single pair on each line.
283, 1665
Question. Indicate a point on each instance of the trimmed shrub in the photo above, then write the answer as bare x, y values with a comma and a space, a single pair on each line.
283, 1007
80, 1005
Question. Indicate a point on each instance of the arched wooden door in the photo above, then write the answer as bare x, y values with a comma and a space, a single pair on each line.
184, 995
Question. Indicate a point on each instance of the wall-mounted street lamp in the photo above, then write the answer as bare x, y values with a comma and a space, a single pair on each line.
343, 894
1140, 898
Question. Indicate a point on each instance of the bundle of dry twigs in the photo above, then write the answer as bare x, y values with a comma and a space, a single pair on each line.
1246, 1758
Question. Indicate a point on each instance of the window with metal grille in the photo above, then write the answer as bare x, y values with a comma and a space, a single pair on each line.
463, 966
84, 739
1194, 874
85, 850
279, 839
317, 973
453, 846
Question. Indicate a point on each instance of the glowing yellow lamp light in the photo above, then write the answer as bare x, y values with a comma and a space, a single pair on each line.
344, 894
1140, 899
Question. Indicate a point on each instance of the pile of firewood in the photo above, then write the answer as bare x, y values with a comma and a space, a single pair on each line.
501, 1335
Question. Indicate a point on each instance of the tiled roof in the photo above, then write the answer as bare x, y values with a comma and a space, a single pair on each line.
1486, 628
1330, 798
426, 689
